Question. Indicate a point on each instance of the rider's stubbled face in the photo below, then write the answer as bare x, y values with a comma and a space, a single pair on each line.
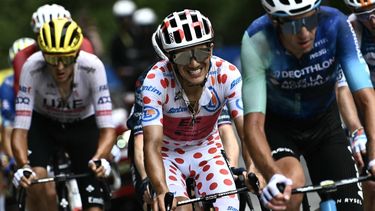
195, 72
303, 41
61, 73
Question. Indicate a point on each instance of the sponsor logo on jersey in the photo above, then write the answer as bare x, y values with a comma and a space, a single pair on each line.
103, 88
215, 103
104, 100
23, 100
235, 82
177, 110
60, 104
25, 89
150, 113
151, 89
88, 69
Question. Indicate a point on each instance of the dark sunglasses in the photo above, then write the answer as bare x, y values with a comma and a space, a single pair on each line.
54, 59
295, 26
184, 57
365, 15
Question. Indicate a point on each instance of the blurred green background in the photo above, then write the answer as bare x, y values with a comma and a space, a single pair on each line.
229, 17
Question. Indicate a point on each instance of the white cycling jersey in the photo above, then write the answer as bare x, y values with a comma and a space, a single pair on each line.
38, 91
165, 103
191, 143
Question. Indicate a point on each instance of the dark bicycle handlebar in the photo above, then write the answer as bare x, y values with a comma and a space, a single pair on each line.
330, 184
212, 196
60, 178
327, 185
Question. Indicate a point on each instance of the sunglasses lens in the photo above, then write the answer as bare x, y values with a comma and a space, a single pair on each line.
201, 54
294, 26
55, 59
184, 57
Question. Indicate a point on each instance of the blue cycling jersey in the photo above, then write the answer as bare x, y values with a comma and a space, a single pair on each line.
302, 87
7, 101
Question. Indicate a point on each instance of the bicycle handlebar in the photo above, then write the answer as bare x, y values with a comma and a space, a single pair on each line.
60, 178
212, 196
327, 185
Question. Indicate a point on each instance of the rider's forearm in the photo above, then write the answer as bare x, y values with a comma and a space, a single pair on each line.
19, 146
6, 135
153, 136
138, 156
230, 144
257, 145
347, 108
107, 139
365, 100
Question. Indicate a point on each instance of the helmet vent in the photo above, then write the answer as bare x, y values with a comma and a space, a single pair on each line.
194, 18
206, 28
166, 35
198, 31
182, 16
52, 28
173, 22
285, 2
187, 32
300, 9
270, 2
75, 34
177, 37
63, 34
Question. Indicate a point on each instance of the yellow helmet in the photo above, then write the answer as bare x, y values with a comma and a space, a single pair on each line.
60, 36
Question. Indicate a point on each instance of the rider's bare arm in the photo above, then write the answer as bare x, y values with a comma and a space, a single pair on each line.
19, 146
153, 140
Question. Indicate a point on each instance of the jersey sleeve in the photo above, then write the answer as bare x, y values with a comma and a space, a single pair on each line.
234, 91
254, 76
101, 97
154, 89
224, 117
24, 101
351, 60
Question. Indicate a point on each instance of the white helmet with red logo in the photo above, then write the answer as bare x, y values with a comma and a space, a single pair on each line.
184, 29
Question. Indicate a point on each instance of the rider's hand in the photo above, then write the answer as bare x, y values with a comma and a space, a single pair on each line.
272, 197
158, 204
102, 170
358, 142
145, 191
19, 177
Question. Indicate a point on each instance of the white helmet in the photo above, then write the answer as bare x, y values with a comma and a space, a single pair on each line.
124, 8
46, 13
356, 4
284, 8
184, 29
18, 45
144, 17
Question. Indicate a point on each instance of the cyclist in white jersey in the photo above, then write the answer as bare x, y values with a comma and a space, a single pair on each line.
63, 102
183, 96
363, 22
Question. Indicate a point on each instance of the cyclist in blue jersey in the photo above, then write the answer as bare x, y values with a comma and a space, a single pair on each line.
7, 96
134, 123
363, 21
290, 59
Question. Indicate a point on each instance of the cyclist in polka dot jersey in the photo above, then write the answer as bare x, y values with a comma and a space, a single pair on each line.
183, 96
